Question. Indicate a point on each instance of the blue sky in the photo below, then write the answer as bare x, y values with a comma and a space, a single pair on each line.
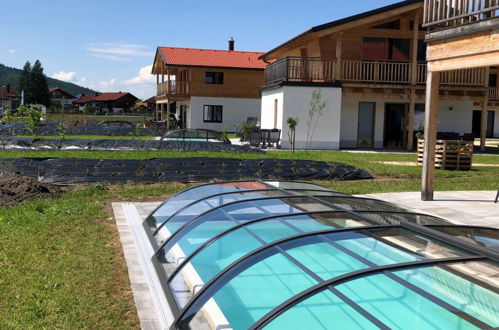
109, 45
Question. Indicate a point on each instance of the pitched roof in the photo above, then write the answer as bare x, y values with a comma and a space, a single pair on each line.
51, 90
211, 58
152, 99
104, 97
86, 98
111, 96
8, 92
345, 20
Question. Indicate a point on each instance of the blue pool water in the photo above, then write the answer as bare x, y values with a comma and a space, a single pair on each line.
268, 283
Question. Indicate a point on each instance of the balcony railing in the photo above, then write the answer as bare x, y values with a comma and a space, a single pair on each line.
173, 88
374, 71
300, 69
450, 13
297, 69
493, 94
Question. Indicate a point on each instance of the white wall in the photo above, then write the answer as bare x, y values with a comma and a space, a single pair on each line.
295, 101
235, 111
458, 120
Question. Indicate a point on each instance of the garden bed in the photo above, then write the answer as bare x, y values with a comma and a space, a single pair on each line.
196, 169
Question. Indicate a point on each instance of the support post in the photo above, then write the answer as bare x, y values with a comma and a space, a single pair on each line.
410, 121
430, 135
168, 113
339, 47
415, 40
162, 111
483, 124
156, 114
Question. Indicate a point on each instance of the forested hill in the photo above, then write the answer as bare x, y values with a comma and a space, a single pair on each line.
10, 76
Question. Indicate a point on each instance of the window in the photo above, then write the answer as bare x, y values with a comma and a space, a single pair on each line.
212, 113
393, 25
382, 49
214, 78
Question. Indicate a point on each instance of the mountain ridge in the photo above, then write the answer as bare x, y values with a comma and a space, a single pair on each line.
10, 76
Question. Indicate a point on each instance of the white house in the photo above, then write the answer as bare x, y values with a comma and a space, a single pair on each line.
371, 72
206, 88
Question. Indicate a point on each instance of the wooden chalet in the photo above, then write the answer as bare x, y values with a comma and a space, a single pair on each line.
206, 88
59, 97
378, 62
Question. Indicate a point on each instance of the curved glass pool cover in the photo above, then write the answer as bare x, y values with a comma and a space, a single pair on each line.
289, 255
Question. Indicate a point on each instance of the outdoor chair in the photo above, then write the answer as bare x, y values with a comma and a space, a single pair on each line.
497, 196
255, 138
274, 138
265, 137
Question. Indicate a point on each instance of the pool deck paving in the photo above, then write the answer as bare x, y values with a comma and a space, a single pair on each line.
460, 207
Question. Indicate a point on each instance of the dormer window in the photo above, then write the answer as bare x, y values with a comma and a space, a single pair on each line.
214, 78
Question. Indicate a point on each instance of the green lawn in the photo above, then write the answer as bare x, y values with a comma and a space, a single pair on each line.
61, 263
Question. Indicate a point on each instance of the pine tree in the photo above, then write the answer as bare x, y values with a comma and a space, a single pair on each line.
25, 82
39, 87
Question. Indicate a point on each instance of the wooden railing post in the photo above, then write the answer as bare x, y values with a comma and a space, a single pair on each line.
339, 48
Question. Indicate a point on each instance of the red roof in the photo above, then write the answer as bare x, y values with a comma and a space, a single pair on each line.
85, 99
110, 96
212, 58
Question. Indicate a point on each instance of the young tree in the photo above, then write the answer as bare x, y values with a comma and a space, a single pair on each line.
316, 108
292, 123
25, 82
39, 86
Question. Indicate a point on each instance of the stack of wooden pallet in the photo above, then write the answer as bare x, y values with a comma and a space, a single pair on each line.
450, 154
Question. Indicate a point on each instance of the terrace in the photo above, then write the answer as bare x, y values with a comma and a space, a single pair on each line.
329, 70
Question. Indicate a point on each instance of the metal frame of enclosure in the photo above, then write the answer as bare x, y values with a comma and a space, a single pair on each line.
204, 217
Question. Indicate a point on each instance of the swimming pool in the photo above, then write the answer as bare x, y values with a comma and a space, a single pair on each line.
287, 255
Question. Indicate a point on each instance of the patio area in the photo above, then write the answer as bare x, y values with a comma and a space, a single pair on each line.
461, 207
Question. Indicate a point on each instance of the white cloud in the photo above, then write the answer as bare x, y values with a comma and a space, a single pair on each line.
143, 85
118, 51
144, 76
11, 51
65, 76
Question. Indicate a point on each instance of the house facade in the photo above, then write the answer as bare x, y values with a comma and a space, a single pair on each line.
9, 96
205, 88
370, 70
61, 98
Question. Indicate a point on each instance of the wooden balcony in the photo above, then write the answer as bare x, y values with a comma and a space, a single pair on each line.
440, 14
300, 69
318, 70
173, 88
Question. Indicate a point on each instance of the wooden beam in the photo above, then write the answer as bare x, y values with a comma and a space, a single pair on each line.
410, 121
339, 49
430, 135
415, 41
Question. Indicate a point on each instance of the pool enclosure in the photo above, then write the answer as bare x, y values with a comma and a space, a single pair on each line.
290, 255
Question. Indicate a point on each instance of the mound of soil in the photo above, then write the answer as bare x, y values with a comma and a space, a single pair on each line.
15, 189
